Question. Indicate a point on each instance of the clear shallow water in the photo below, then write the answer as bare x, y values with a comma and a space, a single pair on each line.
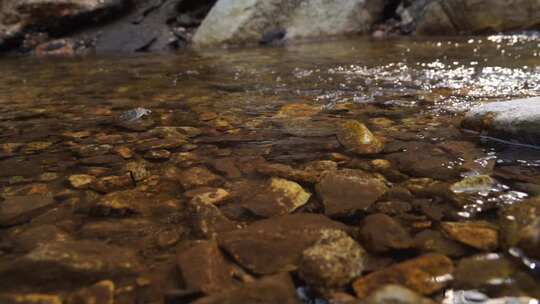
410, 93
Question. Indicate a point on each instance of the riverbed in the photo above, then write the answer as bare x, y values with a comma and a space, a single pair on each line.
239, 169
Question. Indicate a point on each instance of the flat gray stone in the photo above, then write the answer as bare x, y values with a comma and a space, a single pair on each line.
515, 120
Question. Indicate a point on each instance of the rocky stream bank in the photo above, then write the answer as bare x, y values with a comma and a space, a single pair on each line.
68, 27
365, 171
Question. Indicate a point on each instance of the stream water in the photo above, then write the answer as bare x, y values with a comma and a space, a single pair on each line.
75, 177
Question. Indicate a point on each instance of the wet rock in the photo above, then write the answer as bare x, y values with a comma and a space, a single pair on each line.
426, 275
124, 152
207, 195
480, 271
226, 166
479, 235
140, 125
204, 268
112, 183
516, 120
35, 236
357, 138
160, 144
472, 16
278, 198
321, 166
427, 188
121, 203
381, 233
311, 175
276, 244
189, 131
52, 15
20, 209
300, 145
426, 160
57, 47
198, 177
101, 292
149, 26
207, 220
102, 160
92, 150
305, 127
529, 239
393, 207
332, 262
81, 181
432, 241
157, 155
468, 296
19, 167
168, 238
268, 290
514, 218
347, 191
66, 262
298, 110
282, 170
134, 114
231, 22
115, 229
77, 135
31, 298
396, 294
474, 184
37, 146
137, 170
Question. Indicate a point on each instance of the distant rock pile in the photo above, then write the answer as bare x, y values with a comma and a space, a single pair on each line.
68, 27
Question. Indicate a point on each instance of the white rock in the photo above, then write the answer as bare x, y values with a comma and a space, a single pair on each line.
245, 21
517, 119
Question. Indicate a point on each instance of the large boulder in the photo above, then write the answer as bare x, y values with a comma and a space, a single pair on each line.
19, 15
435, 17
515, 120
246, 21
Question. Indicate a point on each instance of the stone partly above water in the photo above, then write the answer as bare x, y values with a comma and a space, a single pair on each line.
514, 120
246, 21
357, 138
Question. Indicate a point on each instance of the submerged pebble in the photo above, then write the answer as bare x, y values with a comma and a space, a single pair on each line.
134, 114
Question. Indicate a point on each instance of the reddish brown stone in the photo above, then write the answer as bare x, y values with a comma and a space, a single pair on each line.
268, 290
347, 191
426, 275
204, 268
479, 235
